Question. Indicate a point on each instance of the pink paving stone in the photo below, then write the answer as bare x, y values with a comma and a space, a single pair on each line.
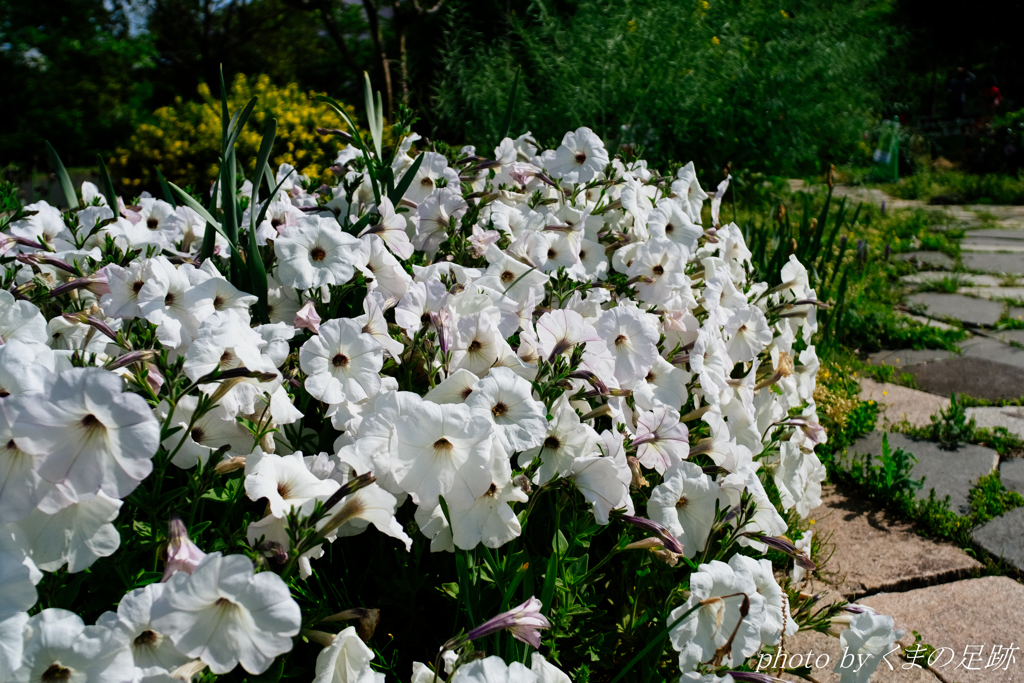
975, 612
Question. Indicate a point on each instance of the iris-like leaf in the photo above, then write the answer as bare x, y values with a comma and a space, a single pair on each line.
507, 123
168, 195
403, 185
374, 115
62, 176
107, 185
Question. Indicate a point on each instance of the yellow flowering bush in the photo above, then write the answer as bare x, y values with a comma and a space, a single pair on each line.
184, 140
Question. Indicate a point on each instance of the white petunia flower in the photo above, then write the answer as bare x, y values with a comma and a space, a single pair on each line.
506, 401
152, 652
546, 671
285, 481
662, 441
493, 670
21, 320
671, 220
685, 504
60, 647
687, 188
316, 252
566, 440
440, 447
346, 660
88, 435
77, 535
435, 214
488, 518
717, 591
869, 638
579, 158
342, 362
632, 339
664, 384
390, 230
747, 334
224, 615
18, 573
12, 642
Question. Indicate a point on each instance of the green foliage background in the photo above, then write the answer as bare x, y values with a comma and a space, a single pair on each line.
773, 86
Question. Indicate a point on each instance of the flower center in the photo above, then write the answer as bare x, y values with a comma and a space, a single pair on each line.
169, 299
493, 490
317, 253
508, 276
425, 318
466, 392
340, 361
620, 340
427, 182
56, 672
226, 357
152, 223
499, 409
650, 377
4, 393
443, 445
146, 638
658, 270
197, 434
218, 303
137, 286
91, 422
283, 490
552, 253
580, 157
552, 442
669, 227
682, 502
475, 346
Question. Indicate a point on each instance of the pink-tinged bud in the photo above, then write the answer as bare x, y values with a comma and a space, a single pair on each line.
307, 317
140, 356
670, 542
182, 553
440, 320
523, 622
154, 378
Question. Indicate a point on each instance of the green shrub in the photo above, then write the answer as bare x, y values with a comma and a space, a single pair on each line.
765, 86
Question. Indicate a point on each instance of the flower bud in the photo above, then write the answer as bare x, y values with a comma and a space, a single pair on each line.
229, 465
307, 317
182, 554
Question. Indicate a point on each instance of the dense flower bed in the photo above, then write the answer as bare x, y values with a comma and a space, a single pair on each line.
447, 385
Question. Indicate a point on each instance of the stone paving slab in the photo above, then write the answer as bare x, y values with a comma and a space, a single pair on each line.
935, 259
1011, 472
1003, 537
1010, 417
977, 377
949, 473
1011, 336
1015, 313
875, 551
817, 644
993, 292
996, 233
900, 403
968, 310
972, 612
966, 278
904, 357
983, 247
993, 350
994, 263
928, 322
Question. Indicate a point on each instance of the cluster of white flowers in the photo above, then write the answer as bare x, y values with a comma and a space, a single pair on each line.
592, 326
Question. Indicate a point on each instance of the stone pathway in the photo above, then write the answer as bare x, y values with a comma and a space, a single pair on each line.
930, 587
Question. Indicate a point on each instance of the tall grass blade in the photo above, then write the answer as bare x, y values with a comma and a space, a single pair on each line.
62, 176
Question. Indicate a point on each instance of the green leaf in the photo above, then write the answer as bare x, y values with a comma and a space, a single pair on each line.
403, 184
507, 123
228, 198
239, 123
263, 157
107, 185
62, 176
271, 675
223, 109
191, 203
357, 141
548, 592
168, 195
374, 115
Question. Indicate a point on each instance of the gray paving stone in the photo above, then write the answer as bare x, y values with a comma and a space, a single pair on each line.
898, 403
904, 357
973, 612
1015, 313
995, 233
993, 350
1010, 417
928, 322
994, 263
977, 377
966, 309
1011, 472
875, 551
935, 259
1003, 537
966, 278
1011, 336
949, 473
994, 292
